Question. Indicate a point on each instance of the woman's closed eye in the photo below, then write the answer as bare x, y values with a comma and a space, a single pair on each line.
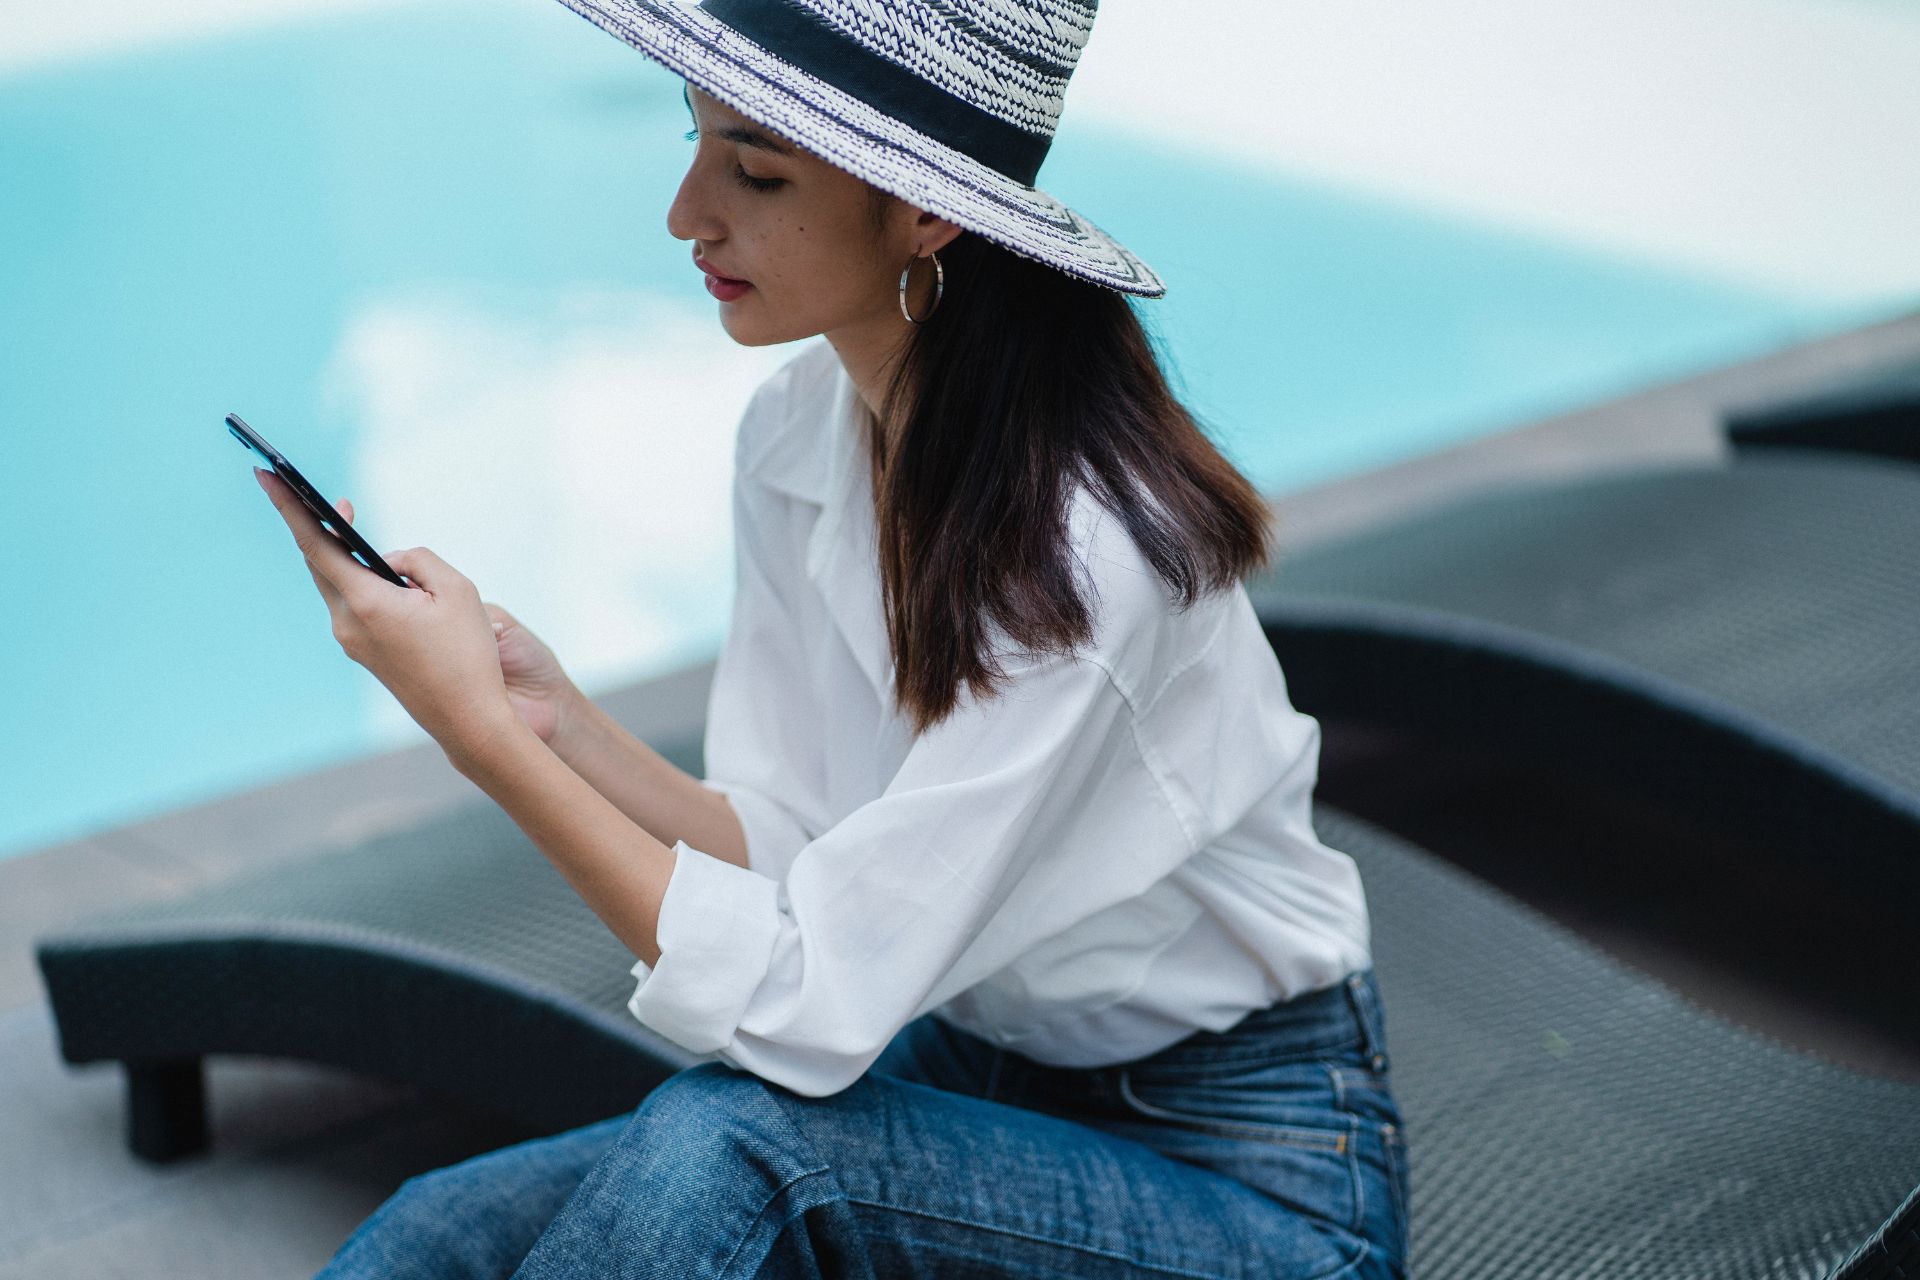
745, 179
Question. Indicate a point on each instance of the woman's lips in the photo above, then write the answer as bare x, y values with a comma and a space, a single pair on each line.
725, 288
707, 267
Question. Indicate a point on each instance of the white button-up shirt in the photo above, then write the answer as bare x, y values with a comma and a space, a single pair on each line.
1113, 852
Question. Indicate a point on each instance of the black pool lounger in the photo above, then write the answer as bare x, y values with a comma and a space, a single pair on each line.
1874, 412
1740, 641
1737, 637
1566, 1115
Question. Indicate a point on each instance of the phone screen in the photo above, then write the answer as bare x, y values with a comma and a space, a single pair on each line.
323, 510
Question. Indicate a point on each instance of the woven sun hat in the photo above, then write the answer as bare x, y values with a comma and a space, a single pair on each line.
948, 104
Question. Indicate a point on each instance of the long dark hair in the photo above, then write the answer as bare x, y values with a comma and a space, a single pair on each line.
1021, 382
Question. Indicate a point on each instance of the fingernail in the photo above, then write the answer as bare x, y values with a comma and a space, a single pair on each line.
498, 627
260, 476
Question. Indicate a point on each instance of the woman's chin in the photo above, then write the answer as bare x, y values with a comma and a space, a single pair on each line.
751, 328
746, 333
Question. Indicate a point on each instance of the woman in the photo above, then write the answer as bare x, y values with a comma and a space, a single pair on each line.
1000, 909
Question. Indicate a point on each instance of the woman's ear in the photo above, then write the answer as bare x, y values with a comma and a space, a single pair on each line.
935, 232
939, 233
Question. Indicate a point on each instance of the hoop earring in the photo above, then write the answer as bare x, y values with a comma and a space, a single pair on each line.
939, 287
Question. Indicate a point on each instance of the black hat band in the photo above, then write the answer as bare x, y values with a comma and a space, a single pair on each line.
798, 35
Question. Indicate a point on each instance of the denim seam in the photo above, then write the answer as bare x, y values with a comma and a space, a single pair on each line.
1359, 1179
1276, 1133
727, 1266
1396, 1160
1364, 1011
1346, 1074
1266, 1057
996, 1229
1366, 1247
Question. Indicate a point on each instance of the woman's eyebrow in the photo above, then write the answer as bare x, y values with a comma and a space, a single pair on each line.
754, 138
744, 136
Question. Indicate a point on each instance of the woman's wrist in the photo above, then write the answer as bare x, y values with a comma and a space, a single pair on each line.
662, 798
573, 717
484, 746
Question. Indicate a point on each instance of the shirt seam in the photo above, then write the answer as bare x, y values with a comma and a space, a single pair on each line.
1156, 771
1172, 791
1148, 756
1194, 659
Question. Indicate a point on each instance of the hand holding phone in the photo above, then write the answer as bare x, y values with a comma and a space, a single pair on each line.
309, 496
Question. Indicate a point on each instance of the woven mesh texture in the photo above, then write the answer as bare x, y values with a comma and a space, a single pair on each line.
465, 888
1570, 1116
1891, 1253
1786, 589
1566, 1116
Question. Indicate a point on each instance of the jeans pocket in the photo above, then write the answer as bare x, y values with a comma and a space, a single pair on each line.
1365, 1093
1286, 1103
1273, 1127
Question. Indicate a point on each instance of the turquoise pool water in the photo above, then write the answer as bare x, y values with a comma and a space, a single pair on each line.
424, 251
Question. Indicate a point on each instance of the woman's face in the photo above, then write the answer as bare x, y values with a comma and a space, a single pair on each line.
801, 232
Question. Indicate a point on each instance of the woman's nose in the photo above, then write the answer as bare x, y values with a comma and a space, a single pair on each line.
690, 216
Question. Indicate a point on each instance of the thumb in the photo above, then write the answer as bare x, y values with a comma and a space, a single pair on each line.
502, 620
424, 567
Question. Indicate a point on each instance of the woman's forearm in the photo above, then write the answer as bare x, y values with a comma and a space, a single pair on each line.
658, 795
616, 866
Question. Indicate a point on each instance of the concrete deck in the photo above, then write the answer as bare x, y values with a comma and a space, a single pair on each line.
302, 1154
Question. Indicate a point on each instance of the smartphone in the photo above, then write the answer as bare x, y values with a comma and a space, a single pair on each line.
330, 519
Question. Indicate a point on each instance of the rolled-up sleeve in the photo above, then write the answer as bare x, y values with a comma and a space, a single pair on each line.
719, 924
773, 832
1008, 822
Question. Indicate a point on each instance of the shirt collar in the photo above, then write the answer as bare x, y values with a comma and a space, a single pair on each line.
822, 459
819, 401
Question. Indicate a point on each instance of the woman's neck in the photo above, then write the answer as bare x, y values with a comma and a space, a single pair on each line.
869, 366
868, 353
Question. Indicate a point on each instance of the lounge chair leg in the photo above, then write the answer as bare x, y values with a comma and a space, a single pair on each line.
166, 1109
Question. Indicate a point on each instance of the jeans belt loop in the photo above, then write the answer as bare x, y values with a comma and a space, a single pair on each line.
1358, 998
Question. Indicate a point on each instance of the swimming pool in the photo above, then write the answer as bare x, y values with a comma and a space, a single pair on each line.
424, 251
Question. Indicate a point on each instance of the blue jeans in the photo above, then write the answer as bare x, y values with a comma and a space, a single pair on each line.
1274, 1149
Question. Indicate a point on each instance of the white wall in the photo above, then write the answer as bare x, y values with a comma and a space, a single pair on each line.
1773, 141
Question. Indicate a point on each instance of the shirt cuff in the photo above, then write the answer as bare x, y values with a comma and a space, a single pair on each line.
774, 839
718, 925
